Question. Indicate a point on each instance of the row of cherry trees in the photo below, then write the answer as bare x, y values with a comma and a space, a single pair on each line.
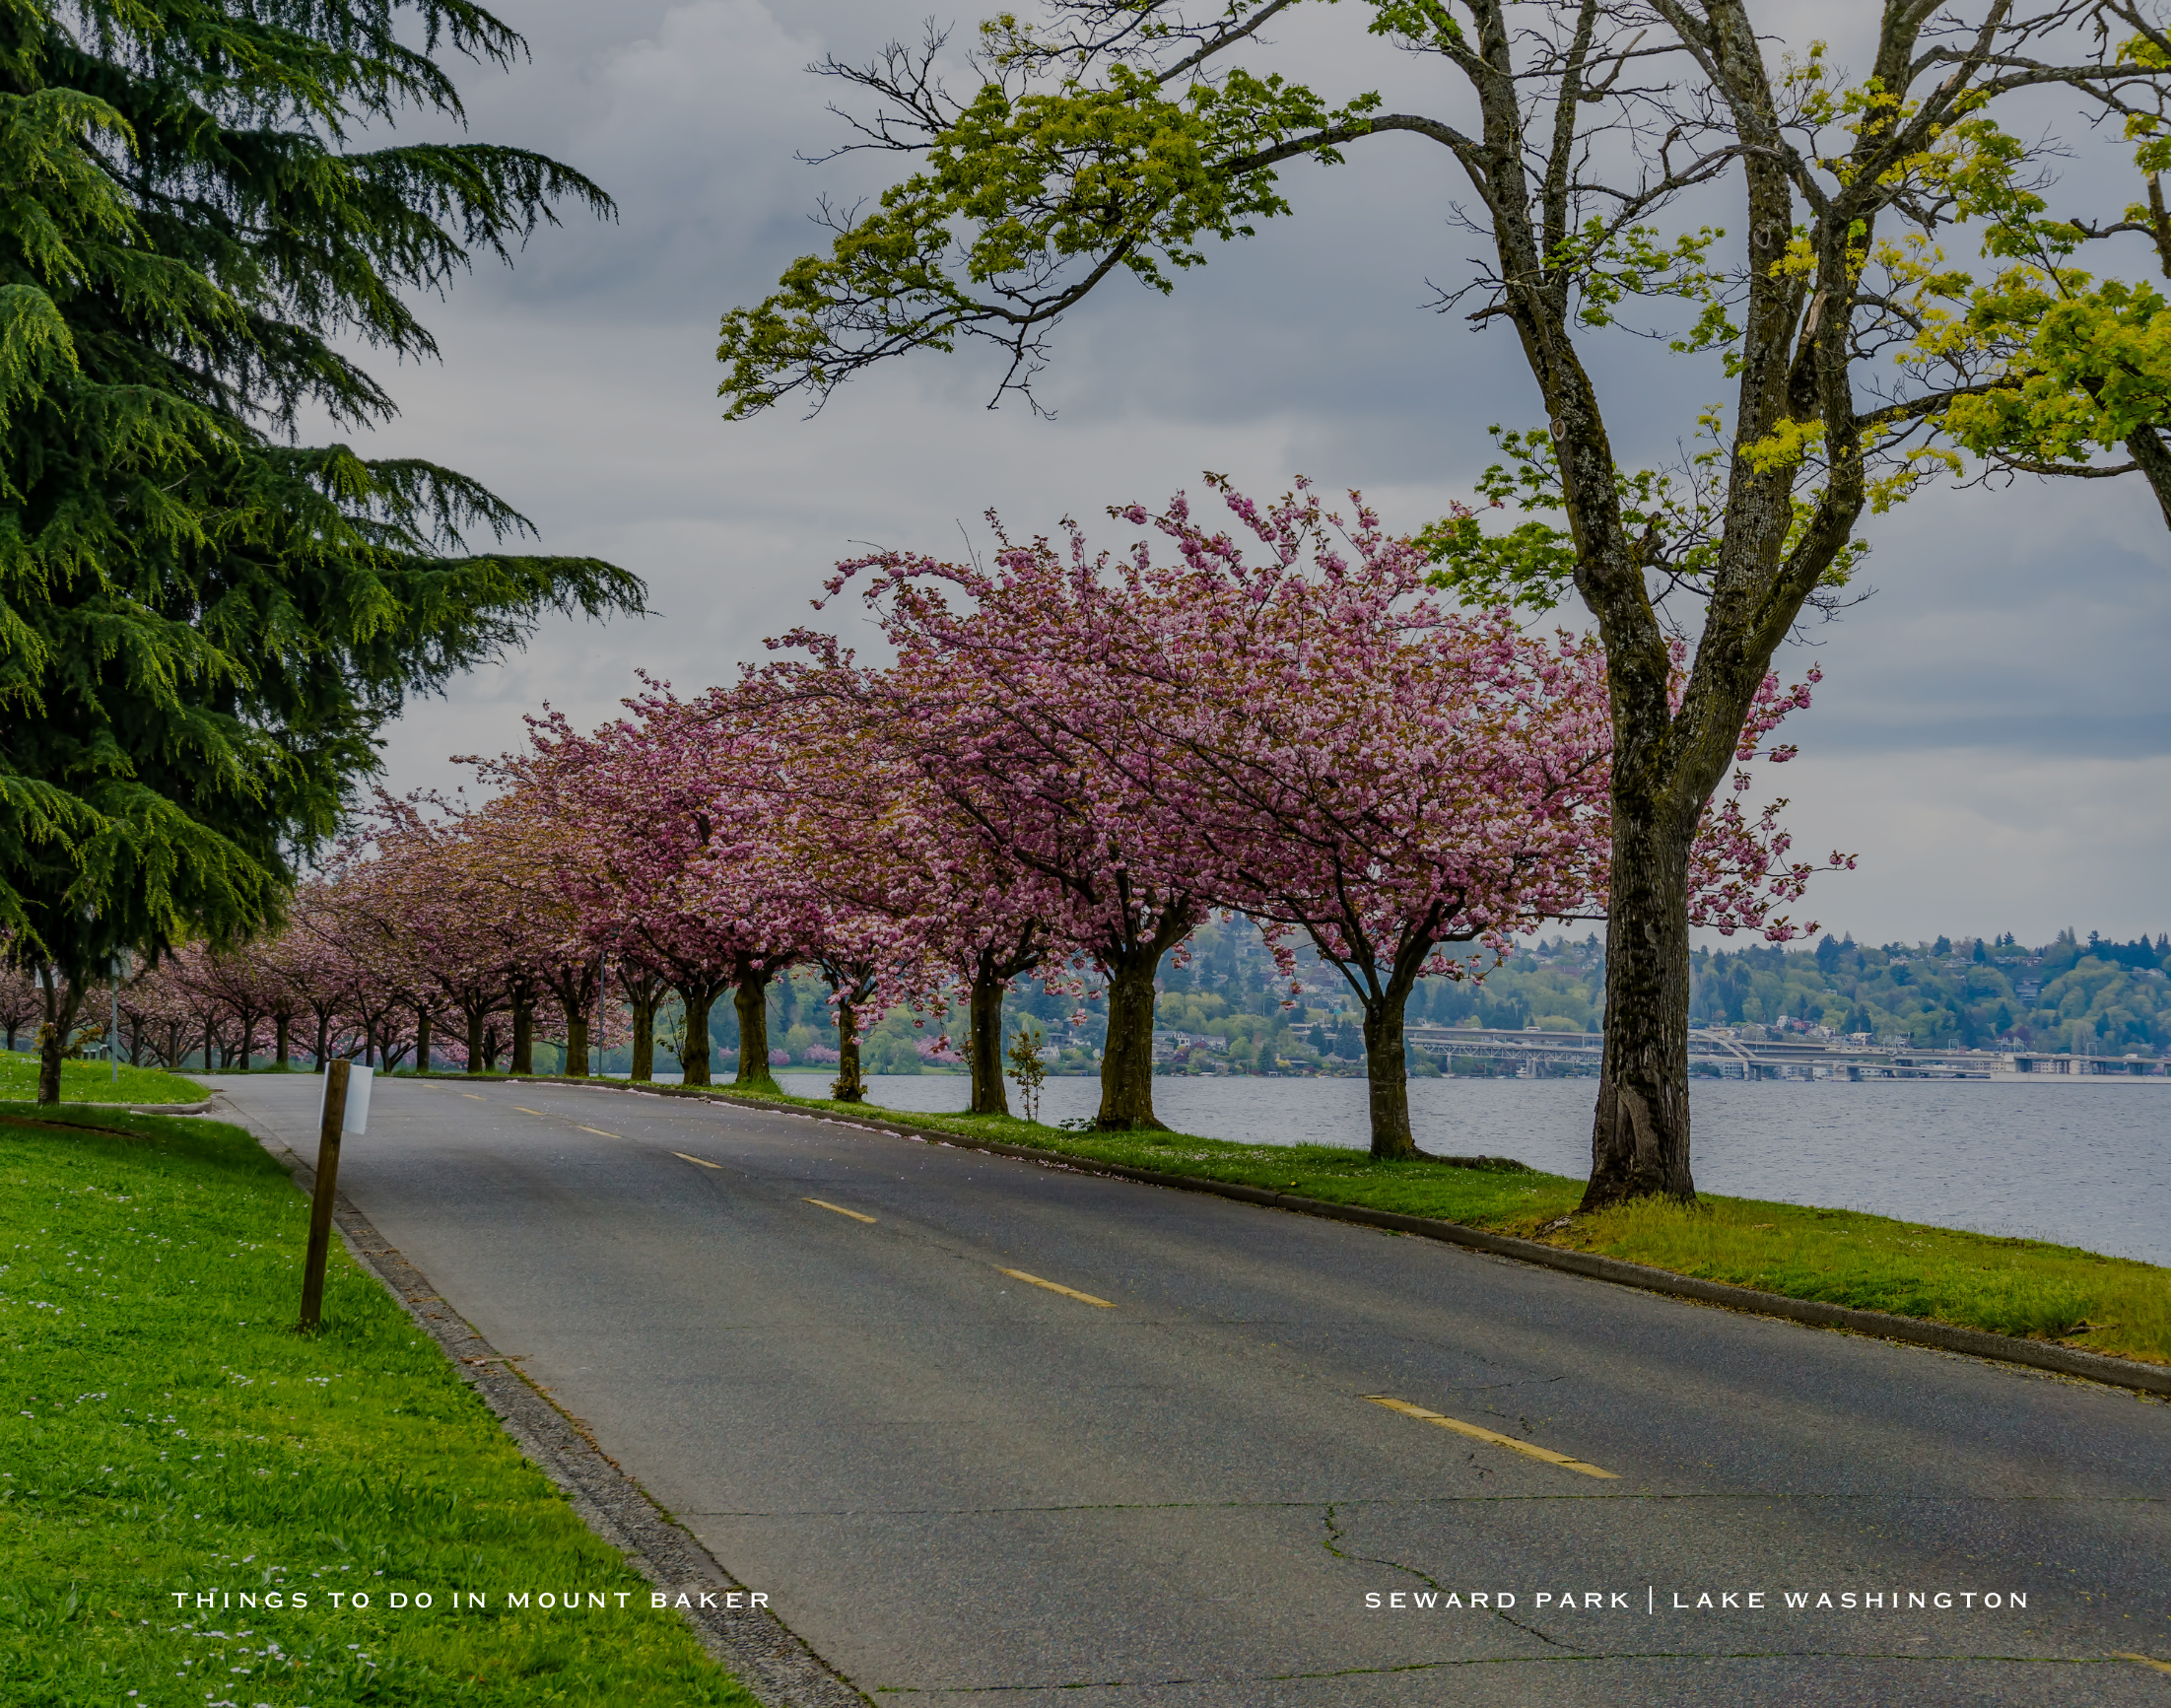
1072, 762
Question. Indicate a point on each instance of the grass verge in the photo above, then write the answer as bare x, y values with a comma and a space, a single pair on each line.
93, 1082
164, 1433
2029, 1288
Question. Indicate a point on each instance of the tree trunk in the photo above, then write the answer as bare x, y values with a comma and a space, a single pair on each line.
989, 1095
48, 1063
489, 1049
1127, 1065
523, 1037
2148, 449
750, 997
474, 1019
641, 1069
422, 1040
283, 1038
210, 1059
577, 1046
1640, 1138
1387, 1074
693, 1054
851, 1084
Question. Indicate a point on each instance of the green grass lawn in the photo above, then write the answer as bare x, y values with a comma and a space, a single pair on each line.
164, 1431
2025, 1287
92, 1083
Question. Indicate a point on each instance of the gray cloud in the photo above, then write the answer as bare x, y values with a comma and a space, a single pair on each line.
1991, 737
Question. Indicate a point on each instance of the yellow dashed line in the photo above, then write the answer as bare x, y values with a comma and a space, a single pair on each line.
524, 1109
472, 1097
599, 1133
824, 1203
1054, 1287
2144, 1659
697, 1161
1479, 1433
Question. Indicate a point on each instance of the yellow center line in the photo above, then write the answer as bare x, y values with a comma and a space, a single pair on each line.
2144, 1659
524, 1109
597, 1131
1054, 1287
824, 1203
697, 1161
472, 1097
1476, 1432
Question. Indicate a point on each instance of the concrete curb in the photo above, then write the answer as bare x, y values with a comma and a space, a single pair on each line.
767, 1658
1883, 1325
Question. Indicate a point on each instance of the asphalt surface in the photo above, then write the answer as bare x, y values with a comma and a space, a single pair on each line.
955, 1483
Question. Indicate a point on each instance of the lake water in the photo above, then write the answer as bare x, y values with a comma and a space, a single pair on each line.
2084, 1164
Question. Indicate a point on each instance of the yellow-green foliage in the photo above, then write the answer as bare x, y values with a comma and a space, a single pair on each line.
163, 1430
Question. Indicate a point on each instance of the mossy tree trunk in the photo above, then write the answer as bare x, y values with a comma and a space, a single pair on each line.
696, 998
1640, 1131
1386, 1072
642, 1067
984, 1047
1127, 1062
851, 1083
48, 1063
523, 1033
750, 1000
63, 1001
851, 982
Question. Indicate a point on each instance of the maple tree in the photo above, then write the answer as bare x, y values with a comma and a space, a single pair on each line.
1099, 140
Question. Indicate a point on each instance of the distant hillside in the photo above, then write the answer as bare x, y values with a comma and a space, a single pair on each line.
2094, 997
2091, 997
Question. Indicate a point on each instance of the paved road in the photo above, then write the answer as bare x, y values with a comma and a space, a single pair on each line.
957, 1484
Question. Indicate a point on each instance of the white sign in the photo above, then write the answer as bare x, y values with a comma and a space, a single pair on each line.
358, 1099
357, 1119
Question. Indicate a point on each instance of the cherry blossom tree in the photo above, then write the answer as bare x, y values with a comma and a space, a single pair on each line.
239, 983
157, 1014
1311, 739
997, 703
903, 894
314, 966
1362, 765
656, 803
19, 999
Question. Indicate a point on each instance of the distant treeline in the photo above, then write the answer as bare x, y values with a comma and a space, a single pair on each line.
2093, 995
2090, 995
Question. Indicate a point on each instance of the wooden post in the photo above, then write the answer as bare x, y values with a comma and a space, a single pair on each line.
328, 1187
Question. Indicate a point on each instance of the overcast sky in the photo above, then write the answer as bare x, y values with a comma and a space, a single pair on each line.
1992, 735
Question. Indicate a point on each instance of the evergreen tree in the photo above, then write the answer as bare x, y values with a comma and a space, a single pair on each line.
203, 622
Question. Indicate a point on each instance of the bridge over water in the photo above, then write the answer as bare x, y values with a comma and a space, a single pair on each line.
1533, 1052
